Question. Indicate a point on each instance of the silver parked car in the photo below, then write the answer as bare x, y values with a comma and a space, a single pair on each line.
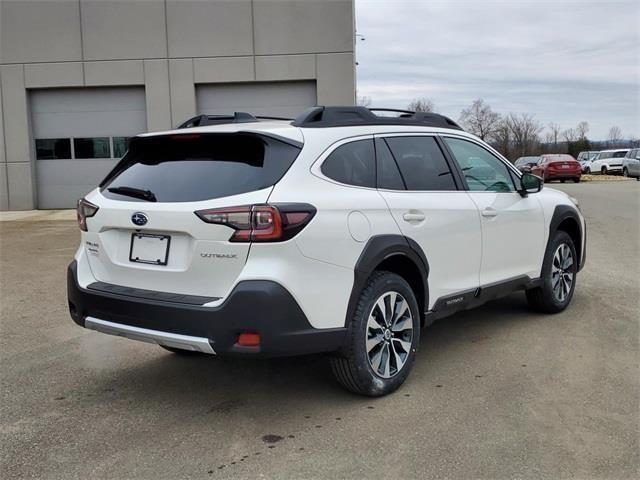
631, 164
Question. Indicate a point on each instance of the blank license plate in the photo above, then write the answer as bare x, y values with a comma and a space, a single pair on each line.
147, 248
565, 166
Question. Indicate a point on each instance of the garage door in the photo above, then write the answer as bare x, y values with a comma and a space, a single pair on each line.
79, 135
279, 99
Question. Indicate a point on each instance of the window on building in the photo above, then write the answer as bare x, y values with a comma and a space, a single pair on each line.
120, 146
422, 164
97, 147
53, 148
352, 163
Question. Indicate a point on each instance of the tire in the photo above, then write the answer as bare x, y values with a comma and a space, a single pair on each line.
367, 365
603, 170
546, 298
625, 172
562, 180
588, 171
576, 180
179, 351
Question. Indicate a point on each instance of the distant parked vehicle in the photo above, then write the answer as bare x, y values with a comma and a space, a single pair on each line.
524, 164
558, 166
608, 161
585, 158
631, 164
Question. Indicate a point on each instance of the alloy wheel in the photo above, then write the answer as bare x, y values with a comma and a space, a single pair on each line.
389, 334
562, 272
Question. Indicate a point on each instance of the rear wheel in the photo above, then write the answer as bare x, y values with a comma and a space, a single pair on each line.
558, 278
576, 180
383, 338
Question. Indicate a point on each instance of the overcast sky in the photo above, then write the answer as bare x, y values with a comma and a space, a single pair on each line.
562, 61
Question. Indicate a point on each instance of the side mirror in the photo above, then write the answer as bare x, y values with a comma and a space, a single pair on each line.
530, 183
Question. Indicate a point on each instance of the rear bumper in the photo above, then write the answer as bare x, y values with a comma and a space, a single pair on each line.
255, 306
562, 174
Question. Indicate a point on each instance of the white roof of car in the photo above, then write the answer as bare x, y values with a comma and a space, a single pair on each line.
615, 150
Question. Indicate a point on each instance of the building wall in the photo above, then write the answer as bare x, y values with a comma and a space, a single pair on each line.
167, 46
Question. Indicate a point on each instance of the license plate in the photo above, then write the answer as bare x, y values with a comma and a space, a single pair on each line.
565, 166
148, 248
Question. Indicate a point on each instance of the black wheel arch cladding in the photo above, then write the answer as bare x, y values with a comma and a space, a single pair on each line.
383, 249
567, 218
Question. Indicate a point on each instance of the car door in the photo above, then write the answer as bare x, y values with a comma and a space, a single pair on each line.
429, 206
634, 163
512, 225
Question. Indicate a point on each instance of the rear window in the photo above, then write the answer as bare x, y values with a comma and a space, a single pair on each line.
619, 154
194, 167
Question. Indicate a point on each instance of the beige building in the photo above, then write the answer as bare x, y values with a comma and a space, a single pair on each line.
78, 77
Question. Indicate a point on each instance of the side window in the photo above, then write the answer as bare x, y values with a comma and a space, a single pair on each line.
421, 162
483, 171
352, 163
388, 174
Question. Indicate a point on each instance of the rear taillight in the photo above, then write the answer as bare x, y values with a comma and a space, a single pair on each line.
261, 223
84, 210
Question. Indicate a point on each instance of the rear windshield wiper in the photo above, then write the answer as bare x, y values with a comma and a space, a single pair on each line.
134, 192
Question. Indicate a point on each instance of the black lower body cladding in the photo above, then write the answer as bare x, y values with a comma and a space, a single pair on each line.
256, 306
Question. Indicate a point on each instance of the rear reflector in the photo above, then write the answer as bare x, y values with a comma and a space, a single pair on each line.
261, 223
249, 339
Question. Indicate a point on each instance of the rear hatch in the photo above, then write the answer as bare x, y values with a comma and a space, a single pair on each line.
146, 233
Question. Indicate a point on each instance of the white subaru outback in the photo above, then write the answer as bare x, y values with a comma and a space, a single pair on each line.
343, 231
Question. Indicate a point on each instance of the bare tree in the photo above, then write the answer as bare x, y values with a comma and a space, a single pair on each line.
525, 131
502, 139
479, 119
582, 129
423, 104
615, 134
569, 135
555, 133
363, 101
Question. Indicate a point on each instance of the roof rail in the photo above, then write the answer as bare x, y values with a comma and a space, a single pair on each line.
316, 117
202, 120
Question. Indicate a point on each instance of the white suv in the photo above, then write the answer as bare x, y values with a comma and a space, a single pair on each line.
342, 231
608, 161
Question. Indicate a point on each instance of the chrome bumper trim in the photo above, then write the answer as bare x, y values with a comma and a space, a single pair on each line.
174, 340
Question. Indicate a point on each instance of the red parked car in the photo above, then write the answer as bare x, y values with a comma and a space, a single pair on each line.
558, 166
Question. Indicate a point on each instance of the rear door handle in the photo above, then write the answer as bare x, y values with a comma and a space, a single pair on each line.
489, 212
413, 217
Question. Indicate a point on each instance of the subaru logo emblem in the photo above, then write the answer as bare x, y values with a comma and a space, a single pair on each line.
139, 219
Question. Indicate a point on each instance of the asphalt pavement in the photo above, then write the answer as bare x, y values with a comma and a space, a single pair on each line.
497, 392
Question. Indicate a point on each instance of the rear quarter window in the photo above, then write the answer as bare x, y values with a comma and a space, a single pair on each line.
352, 164
194, 167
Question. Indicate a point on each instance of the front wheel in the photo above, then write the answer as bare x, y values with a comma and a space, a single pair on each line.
625, 172
603, 170
559, 271
383, 338
587, 171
